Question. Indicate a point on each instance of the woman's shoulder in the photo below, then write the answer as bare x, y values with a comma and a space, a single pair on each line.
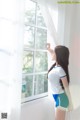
61, 71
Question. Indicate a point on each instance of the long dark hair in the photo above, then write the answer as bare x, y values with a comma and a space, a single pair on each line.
62, 58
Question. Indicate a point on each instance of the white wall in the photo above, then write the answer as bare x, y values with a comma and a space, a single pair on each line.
40, 109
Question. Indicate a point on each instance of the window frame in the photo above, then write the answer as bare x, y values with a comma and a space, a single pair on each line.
39, 96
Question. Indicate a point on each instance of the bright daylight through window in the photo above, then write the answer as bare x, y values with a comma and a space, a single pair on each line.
34, 83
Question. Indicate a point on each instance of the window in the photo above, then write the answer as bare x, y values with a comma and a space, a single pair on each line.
34, 83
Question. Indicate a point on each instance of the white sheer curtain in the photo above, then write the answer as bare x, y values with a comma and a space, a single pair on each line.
50, 15
49, 11
11, 45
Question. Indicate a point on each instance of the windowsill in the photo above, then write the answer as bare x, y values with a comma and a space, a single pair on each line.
32, 98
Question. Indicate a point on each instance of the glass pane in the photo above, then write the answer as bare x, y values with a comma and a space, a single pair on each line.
40, 19
27, 62
30, 8
41, 61
27, 86
41, 84
29, 37
41, 38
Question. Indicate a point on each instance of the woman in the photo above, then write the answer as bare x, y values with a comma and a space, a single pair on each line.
58, 76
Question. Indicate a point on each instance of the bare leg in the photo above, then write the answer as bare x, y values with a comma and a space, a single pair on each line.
59, 114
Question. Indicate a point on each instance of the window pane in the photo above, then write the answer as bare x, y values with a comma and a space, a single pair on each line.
40, 19
30, 8
41, 38
27, 86
29, 37
28, 62
35, 56
41, 61
41, 84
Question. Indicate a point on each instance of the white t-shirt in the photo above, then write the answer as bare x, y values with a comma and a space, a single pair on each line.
54, 77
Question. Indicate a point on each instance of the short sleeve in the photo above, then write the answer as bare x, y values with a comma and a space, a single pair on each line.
62, 72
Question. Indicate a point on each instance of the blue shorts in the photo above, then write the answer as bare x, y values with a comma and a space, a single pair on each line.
61, 100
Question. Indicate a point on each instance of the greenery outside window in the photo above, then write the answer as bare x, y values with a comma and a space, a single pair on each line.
35, 64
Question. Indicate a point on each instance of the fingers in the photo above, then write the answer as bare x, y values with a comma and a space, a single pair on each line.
48, 46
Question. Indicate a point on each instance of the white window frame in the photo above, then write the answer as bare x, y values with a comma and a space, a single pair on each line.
35, 97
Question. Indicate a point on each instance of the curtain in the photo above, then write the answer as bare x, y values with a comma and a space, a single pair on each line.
50, 18
11, 46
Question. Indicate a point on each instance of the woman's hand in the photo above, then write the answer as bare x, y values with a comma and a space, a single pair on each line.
48, 46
